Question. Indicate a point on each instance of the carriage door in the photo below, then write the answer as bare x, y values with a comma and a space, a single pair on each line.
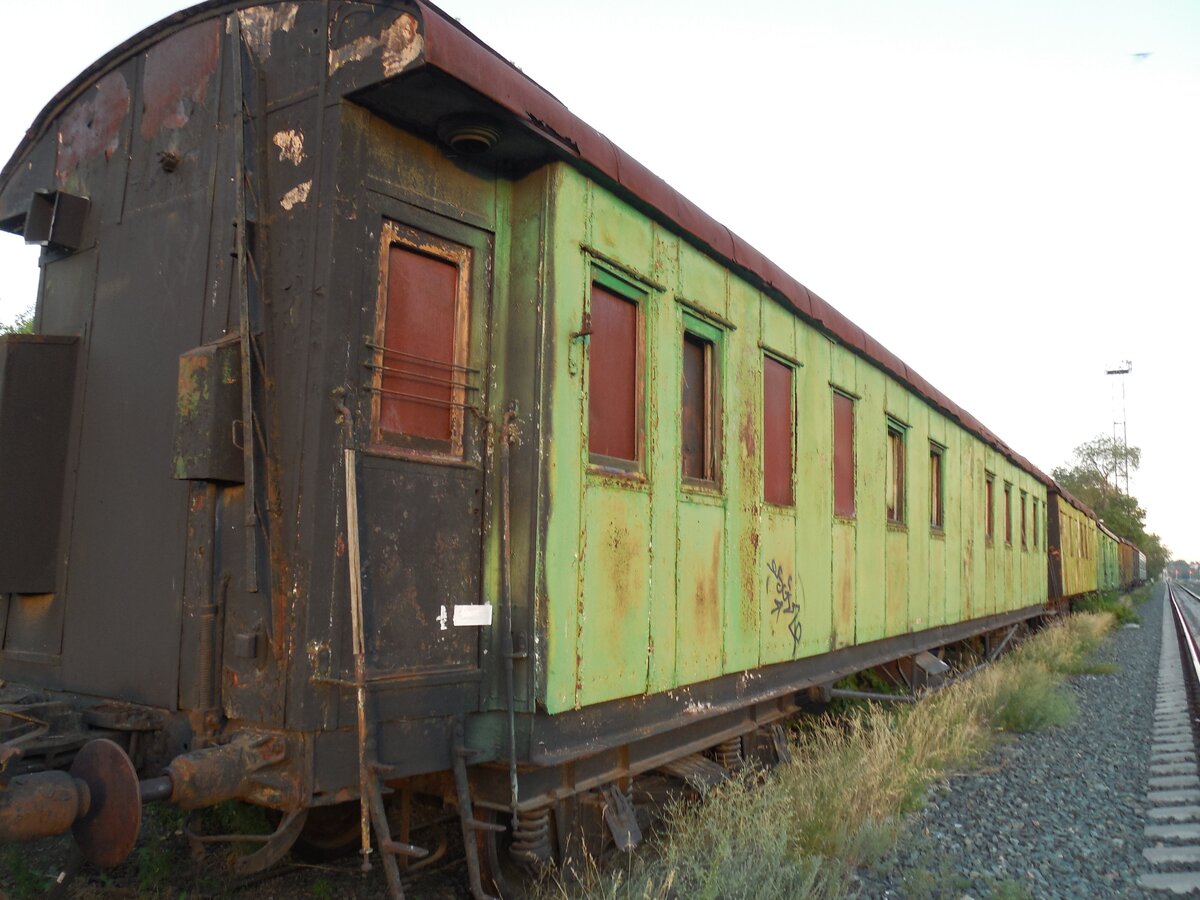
422, 480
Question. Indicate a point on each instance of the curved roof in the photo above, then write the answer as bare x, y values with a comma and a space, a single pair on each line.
455, 50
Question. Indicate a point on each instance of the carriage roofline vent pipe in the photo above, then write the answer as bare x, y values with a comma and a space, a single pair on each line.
469, 135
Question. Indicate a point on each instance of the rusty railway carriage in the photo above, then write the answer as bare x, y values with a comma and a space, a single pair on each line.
387, 427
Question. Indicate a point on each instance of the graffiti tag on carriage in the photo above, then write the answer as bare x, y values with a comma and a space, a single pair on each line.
784, 605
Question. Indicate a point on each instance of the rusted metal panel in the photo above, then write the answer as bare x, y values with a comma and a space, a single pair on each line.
614, 621
423, 379
37, 382
965, 521
741, 481
419, 567
613, 376
177, 77
94, 127
814, 499
208, 414
896, 611
700, 560
870, 614
779, 432
845, 591
844, 456
783, 602
368, 44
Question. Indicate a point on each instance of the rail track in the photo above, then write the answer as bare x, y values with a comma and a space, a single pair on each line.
1173, 814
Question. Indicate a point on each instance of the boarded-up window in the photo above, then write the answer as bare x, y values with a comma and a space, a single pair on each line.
895, 474
937, 515
1007, 513
989, 505
843, 455
779, 431
698, 408
614, 379
422, 377
1024, 536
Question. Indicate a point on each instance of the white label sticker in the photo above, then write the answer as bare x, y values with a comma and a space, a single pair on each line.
473, 615
441, 619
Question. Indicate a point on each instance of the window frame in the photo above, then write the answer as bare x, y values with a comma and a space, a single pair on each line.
639, 296
895, 477
852, 402
989, 502
461, 256
712, 337
937, 493
1024, 515
793, 423
1008, 514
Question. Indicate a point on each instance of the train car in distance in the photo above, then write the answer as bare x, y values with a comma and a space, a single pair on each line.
390, 434
1073, 538
1108, 571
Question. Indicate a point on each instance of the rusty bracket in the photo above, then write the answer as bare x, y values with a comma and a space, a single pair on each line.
585, 330
225, 772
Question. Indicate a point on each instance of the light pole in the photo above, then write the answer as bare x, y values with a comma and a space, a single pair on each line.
1122, 369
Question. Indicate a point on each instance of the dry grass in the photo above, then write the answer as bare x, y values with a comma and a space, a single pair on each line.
839, 803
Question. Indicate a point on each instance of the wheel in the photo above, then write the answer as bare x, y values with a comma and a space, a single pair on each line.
330, 833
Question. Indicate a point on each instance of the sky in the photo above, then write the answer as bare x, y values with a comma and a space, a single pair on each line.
1006, 193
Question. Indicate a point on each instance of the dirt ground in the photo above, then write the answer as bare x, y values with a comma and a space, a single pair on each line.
162, 865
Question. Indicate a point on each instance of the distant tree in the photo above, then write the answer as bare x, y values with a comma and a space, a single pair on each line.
1092, 478
1098, 462
23, 324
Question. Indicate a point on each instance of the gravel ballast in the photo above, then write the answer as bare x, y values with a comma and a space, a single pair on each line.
1054, 814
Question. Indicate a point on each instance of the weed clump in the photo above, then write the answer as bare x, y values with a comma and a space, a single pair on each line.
1119, 606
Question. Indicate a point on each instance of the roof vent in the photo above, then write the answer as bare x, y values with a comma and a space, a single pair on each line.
469, 135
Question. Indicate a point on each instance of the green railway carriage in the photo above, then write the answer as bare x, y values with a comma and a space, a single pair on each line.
1073, 546
662, 570
1108, 571
487, 466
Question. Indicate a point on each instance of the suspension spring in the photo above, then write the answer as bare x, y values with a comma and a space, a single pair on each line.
531, 839
728, 754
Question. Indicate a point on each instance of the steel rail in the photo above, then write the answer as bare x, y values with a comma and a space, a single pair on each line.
1188, 647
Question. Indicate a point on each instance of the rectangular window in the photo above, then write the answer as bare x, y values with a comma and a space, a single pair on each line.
779, 432
421, 375
1008, 513
614, 378
700, 413
1024, 537
843, 455
937, 516
895, 473
989, 505
1036, 522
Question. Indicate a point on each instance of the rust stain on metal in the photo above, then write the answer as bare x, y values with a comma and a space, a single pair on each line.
93, 126
192, 390
259, 24
291, 145
296, 196
401, 42
749, 441
41, 805
177, 75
